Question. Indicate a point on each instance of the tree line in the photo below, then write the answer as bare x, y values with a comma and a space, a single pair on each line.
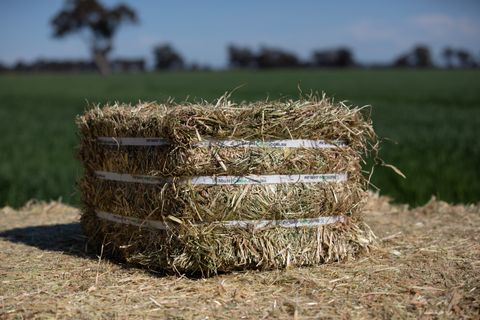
239, 57
421, 57
98, 24
270, 57
167, 58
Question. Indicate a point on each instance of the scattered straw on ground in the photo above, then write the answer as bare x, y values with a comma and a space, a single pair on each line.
428, 266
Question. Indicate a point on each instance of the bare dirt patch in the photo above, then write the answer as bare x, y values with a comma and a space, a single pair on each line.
427, 266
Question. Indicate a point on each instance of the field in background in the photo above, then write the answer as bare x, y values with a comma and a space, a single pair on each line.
431, 118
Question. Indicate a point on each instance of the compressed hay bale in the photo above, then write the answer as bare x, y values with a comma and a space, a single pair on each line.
143, 120
199, 241
199, 203
312, 118
219, 160
212, 248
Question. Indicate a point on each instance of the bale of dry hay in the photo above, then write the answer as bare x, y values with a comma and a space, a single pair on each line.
207, 188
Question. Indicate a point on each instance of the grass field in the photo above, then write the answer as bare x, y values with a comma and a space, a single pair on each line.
431, 118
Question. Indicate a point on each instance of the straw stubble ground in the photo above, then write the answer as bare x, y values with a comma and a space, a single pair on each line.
427, 266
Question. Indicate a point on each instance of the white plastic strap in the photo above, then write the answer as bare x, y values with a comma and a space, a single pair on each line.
226, 180
122, 177
269, 179
240, 224
153, 224
113, 141
290, 223
294, 143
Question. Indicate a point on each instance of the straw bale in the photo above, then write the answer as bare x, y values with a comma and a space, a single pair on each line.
198, 203
210, 249
315, 117
195, 241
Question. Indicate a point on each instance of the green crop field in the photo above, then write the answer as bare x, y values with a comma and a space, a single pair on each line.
430, 121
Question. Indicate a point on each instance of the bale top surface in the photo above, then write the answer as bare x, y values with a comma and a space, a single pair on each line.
312, 117
427, 266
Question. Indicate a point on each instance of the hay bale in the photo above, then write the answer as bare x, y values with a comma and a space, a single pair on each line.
208, 188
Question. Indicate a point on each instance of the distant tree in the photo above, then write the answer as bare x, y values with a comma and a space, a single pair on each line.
345, 57
43, 65
20, 66
465, 58
195, 66
322, 58
276, 58
167, 58
97, 23
128, 65
422, 56
239, 57
402, 61
448, 54
418, 57
340, 57
3, 67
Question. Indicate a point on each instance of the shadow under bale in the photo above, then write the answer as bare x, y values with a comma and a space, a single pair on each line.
65, 237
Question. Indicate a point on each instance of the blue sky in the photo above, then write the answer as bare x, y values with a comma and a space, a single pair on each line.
200, 30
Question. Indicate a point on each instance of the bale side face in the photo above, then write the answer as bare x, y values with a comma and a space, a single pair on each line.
200, 161
120, 120
198, 203
209, 250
